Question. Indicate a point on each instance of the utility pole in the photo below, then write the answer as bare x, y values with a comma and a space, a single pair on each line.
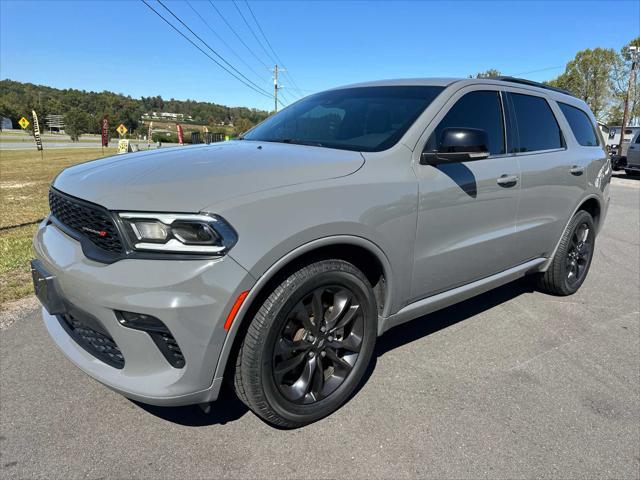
633, 51
276, 86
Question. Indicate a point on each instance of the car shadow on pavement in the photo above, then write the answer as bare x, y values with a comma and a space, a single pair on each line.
428, 324
228, 408
224, 410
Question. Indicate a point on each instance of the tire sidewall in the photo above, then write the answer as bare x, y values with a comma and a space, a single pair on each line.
578, 219
277, 313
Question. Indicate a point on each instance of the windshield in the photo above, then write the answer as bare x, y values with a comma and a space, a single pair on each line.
368, 119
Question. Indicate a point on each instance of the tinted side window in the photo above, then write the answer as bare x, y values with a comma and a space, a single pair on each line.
580, 125
479, 109
537, 127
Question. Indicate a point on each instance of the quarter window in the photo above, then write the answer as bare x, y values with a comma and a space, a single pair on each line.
481, 110
580, 124
537, 128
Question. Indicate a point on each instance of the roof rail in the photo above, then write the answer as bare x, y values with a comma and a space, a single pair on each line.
524, 81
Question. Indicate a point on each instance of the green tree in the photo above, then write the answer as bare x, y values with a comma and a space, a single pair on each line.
76, 123
492, 72
588, 76
241, 125
621, 76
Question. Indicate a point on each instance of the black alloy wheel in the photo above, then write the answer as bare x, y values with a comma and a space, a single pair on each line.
309, 344
318, 345
579, 254
570, 264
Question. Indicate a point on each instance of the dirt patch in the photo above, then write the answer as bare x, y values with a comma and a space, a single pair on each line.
10, 312
8, 185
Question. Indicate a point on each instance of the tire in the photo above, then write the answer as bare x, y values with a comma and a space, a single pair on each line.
291, 370
571, 262
632, 173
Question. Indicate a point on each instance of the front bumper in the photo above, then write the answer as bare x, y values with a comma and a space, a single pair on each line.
191, 297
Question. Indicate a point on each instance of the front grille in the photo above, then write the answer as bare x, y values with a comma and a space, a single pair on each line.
98, 344
89, 221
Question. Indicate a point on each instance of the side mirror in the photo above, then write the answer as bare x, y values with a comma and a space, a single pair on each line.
458, 145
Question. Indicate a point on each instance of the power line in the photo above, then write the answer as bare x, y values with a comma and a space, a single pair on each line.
238, 36
239, 57
253, 33
539, 70
250, 85
287, 74
209, 47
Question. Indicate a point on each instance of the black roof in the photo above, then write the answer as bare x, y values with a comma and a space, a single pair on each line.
524, 81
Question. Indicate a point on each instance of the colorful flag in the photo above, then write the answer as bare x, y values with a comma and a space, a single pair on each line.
105, 131
180, 134
36, 130
150, 133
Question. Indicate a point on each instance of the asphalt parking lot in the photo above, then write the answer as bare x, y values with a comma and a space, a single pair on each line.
511, 384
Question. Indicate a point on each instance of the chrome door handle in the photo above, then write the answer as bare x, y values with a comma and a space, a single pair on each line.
507, 180
576, 170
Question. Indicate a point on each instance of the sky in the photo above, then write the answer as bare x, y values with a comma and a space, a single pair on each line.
122, 46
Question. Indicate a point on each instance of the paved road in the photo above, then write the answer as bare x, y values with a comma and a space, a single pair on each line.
8, 145
511, 384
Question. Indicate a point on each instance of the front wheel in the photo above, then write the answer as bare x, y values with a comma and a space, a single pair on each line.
308, 346
572, 259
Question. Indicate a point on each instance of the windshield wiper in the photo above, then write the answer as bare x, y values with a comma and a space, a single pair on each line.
296, 141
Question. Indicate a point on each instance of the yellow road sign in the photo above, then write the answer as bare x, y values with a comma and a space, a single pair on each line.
123, 146
121, 129
24, 123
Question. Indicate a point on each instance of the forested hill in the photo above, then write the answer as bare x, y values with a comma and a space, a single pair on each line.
18, 99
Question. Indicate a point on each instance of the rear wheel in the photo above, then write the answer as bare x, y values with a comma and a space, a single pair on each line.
308, 346
572, 260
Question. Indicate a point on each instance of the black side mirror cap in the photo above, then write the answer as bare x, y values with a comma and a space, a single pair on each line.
458, 145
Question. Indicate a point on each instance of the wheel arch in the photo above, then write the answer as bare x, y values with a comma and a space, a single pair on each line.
592, 205
363, 253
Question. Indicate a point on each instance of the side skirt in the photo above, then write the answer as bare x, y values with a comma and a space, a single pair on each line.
455, 295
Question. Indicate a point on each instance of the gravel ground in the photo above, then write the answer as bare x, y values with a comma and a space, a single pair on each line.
511, 384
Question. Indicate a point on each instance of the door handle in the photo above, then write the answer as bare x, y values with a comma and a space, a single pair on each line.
576, 170
507, 180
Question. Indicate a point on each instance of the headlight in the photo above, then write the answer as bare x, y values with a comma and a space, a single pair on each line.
178, 233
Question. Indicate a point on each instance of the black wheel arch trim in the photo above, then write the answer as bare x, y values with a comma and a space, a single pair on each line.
577, 208
285, 260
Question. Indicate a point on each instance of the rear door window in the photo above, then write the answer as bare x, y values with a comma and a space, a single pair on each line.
536, 126
580, 124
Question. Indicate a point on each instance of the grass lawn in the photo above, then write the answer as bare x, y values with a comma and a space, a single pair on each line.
24, 183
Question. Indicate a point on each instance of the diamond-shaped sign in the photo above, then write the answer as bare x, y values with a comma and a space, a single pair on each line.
24, 123
121, 129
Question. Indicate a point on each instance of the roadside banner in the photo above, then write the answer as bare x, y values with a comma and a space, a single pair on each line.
123, 146
36, 131
180, 134
150, 133
105, 131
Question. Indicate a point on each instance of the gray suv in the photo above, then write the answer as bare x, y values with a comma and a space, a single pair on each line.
275, 261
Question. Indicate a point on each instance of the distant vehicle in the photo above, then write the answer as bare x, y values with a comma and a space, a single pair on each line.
618, 154
275, 261
633, 156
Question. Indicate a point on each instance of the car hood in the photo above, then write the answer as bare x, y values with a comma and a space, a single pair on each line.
187, 179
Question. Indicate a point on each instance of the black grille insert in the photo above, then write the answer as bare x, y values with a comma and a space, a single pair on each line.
87, 220
169, 348
84, 330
